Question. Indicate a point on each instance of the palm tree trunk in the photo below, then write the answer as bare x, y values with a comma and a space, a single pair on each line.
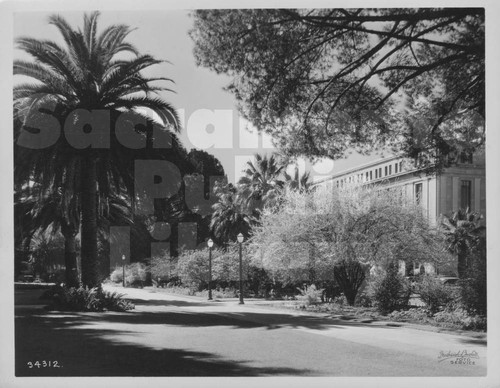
90, 273
70, 260
462, 264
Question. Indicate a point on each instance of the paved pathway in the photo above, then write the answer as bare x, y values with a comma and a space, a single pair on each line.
173, 335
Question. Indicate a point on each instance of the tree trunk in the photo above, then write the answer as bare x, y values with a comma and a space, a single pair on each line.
90, 273
70, 260
462, 261
312, 264
349, 275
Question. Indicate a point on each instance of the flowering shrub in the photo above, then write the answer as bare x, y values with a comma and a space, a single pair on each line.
309, 295
460, 318
135, 275
116, 276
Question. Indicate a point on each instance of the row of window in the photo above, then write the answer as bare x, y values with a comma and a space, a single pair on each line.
372, 174
465, 193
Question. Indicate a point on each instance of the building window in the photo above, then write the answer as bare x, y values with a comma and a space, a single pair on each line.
380, 172
418, 193
376, 173
390, 169
395, 168
465, 194
385, 171
371, 176
401, 166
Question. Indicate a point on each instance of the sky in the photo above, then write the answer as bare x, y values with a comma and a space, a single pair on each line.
210, 120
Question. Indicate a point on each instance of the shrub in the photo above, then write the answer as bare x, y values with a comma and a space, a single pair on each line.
460, 318
350, 275
473, 289
309, 295
363, 300
259, 282
162, 268
114, 301
135, 275
420, 315
87, 299
456, 318
340, 300
433, 293
192, 268
117, 275
175, 289
473, 296
390, 291
222, 293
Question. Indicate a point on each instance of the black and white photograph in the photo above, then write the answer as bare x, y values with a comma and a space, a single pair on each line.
204, 193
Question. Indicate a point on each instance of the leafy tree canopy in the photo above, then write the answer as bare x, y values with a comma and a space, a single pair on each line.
323, 229
322, 81
205, 163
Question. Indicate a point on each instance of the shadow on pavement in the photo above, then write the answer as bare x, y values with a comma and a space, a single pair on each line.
82, 349
177, 303
473, 341
113, 344
239, 320
85, 352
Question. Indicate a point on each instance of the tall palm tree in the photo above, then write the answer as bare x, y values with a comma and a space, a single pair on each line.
464, 233
262, 183
84, 75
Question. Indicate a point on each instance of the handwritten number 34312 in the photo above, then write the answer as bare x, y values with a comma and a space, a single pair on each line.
43, 364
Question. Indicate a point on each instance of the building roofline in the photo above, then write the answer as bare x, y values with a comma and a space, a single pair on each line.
360, 167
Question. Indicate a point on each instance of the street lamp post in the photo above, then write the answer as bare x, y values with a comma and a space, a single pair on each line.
123, 268
210, 244
240, 241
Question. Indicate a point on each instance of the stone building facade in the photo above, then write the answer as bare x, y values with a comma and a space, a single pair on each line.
463, 185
